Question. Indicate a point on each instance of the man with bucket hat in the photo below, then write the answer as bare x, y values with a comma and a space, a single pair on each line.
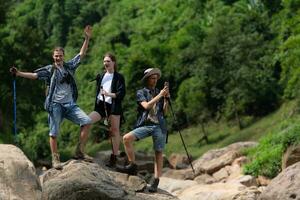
152, 105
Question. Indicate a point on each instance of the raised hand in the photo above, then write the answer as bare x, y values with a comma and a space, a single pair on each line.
164, 92
88, 31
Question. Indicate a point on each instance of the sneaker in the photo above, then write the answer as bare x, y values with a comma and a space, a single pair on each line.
112, 161
56, 162
154, 185
130, 169
79, 155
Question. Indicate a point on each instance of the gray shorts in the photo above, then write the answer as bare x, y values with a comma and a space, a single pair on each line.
158, 138
70, 111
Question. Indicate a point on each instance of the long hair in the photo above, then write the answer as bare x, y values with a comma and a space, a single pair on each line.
113, 58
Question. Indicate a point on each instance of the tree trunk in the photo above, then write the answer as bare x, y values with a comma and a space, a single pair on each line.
237, 117
204, 133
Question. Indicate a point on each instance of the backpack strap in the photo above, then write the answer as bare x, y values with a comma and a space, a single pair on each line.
48, 86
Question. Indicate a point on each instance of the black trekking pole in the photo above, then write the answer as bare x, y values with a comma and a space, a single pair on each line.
15, 107
106, 120
175, 120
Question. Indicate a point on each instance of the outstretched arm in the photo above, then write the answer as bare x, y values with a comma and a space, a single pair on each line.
28, 75
87, 36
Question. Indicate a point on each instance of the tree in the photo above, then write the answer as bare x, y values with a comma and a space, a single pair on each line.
191, 101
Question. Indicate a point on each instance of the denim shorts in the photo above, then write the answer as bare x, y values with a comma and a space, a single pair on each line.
70, 111
158, 138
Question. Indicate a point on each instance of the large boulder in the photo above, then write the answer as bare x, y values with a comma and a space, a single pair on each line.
214, 165
291, 156
213, 160
18, 179
178, 161
191, 190
285, 186
89, 181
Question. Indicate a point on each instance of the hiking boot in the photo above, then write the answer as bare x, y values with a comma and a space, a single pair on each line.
153, 187
130, 169
80, 155
112, 161
56, 162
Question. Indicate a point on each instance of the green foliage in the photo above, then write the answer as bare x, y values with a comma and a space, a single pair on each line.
287, 24
236, 63
266, 157
290, 74
191, 100
223, 58
35, 143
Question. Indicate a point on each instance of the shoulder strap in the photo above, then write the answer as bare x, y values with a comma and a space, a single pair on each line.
52, 70
48, 86
51, 79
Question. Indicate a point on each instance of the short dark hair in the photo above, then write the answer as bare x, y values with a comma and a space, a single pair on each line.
59, 49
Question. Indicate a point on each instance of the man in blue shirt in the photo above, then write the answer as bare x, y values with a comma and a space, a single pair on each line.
61, 97
152, 105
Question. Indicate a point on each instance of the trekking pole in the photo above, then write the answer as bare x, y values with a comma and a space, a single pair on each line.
175, 120
15, 107
106, 120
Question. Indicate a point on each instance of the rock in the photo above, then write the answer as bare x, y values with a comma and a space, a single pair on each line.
133, 183
143, 160
192, 190
174, 185
247, 180
240, 161
176, 160
220, 175
212, 166
263, 181
89, 181
251, 193
147, 165
182, 174
137, 183
262, 188
285, 186
151, 196
215, 191
215, 154
18, 179
291, 156
234, 170
80, 180
205, 179
102, 158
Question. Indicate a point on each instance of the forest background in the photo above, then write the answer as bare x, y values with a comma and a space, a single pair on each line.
228, 62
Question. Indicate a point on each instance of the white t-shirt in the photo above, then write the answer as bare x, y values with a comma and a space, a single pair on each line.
106, 84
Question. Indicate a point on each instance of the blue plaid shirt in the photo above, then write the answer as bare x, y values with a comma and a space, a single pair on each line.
47, 74
145, 95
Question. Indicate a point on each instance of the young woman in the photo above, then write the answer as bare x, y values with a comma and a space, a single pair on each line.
108, 104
